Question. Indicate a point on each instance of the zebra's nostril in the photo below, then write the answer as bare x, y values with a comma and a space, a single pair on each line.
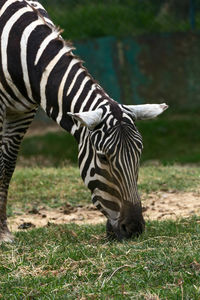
125, 231
123, 228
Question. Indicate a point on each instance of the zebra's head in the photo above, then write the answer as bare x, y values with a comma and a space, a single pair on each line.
109, 153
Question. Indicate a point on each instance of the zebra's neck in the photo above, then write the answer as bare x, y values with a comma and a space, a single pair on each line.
75, 91
65, 85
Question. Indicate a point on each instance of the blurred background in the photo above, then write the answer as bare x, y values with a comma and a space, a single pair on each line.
140, 51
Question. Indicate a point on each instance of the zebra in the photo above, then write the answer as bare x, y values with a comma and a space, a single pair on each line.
38, 68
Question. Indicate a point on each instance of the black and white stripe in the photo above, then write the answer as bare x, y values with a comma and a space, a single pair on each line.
38, 68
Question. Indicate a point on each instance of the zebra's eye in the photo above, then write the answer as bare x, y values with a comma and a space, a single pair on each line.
102, 157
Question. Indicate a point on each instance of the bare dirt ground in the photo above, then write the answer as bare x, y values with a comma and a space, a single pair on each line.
157, 206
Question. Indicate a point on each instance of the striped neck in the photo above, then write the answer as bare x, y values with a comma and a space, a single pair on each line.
65, 85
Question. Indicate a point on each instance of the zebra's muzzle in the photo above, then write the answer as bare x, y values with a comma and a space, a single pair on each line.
124, 231
131, 223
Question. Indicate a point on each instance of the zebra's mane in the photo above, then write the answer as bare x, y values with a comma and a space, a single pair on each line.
116, 110
43, 15
66, 43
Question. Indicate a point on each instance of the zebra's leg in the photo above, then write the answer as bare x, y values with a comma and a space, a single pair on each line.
15, 126
4, 233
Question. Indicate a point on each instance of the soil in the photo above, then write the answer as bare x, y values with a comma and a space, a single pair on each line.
156, 206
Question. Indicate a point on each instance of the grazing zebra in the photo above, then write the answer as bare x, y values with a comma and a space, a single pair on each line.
38, 68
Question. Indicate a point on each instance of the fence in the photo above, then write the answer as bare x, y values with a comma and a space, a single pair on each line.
147, 68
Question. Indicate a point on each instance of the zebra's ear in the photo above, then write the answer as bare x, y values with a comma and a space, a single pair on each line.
146, 111
89, 119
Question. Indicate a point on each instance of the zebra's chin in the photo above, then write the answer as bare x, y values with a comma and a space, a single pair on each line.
131, 223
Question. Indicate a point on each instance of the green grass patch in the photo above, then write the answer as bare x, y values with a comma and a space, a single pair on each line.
53, 187
51, 149
169, 178
73, 262
169, 139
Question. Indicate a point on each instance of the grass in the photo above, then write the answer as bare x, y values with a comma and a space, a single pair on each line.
53, 187
54, 149
47, 186
167, 139
174, 139
77, 262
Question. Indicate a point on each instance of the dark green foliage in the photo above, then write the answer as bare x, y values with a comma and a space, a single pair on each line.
86, 19
57, 147
171, 138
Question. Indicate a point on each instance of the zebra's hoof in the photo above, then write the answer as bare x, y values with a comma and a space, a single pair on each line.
6, 237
